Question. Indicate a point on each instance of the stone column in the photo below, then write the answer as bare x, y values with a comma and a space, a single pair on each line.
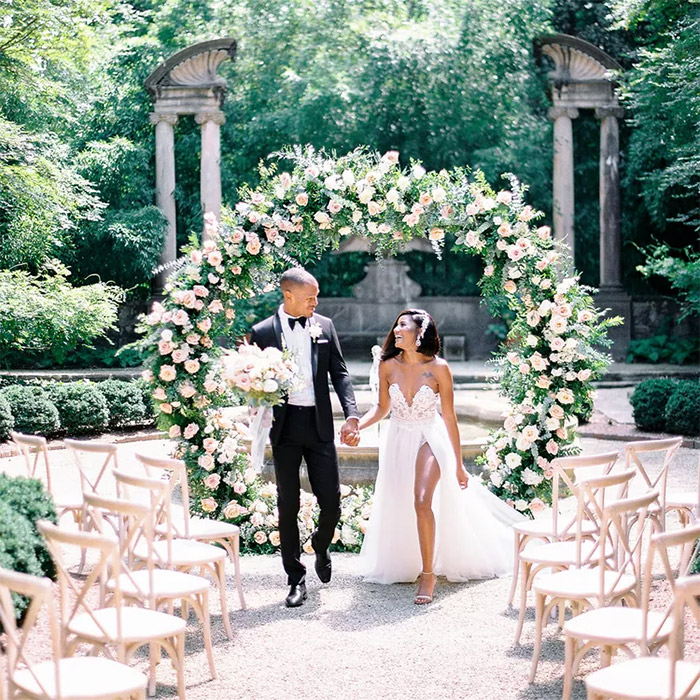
165, 188
610, 238
563, 176
210, 173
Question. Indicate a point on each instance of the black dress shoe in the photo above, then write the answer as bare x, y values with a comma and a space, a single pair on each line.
323, 566
297, 595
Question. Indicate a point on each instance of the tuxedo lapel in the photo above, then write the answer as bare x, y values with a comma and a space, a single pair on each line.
314, 354
277, 328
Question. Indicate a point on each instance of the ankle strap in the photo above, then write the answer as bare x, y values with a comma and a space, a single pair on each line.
427, 572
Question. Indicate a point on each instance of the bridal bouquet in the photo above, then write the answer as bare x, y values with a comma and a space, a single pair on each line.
263, 377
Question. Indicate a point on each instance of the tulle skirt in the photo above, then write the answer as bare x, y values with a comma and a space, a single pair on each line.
473, 534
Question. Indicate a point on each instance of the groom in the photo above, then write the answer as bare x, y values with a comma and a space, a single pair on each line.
302, 426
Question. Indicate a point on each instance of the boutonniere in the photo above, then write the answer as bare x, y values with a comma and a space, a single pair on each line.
314, 330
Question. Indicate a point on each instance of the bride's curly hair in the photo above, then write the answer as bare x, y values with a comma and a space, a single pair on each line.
428, 334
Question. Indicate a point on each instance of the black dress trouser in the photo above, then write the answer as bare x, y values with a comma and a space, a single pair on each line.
299, 439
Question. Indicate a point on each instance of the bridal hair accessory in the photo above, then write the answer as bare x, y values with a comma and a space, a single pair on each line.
424, 323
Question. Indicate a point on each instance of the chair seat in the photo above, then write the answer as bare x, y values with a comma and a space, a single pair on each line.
202, 529
544, 527
682, 499
562, 553
137, 624
69, 504
166, 584
646, 678
582, 583
183, 552
618, 625
82, 678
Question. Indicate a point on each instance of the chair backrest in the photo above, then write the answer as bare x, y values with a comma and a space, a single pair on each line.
686, 596
660, 549
624, 525
34, 449
104, 454
592, 495
157, 494
177, 471
135, 526
567, 473
18, 634
75, 595
635, 457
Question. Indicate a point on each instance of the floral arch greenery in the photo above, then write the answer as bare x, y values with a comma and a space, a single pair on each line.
546, 374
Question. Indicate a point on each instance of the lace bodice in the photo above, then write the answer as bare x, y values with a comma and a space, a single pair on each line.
423, 408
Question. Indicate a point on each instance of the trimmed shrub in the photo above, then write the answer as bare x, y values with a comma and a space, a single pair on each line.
649, 400
29, 498
32, 409
81, 406
17, 550
147, 394
682, 412
124, 401
7, 421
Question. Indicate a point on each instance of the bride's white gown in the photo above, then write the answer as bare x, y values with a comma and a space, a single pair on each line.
473, 534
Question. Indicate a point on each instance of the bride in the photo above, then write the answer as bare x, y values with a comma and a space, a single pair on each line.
460, 530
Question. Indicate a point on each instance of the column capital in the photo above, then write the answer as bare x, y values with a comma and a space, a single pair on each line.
156, 117
609, 111
560, 111
216, 117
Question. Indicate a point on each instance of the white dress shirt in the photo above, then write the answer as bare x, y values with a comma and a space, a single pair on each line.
298, 341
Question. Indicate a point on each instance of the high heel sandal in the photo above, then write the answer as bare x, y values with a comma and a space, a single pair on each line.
424, 598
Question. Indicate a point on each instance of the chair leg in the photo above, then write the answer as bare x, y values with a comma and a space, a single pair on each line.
569, 653
221, 575
180, 647
152, 661
235, 542
206, 631
540, 600
516, 556
605, 655
524, 576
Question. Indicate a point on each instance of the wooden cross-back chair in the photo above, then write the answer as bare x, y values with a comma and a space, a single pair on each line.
636, 457
180, 554
584, 524
661, 678
606, 574
115, 630
625, 629
35, 452
60, 678
191, 527
154, 586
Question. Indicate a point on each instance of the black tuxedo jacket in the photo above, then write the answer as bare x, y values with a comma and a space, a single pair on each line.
326, 360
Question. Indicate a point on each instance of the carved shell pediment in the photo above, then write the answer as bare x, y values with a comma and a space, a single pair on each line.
572, 65
199, 70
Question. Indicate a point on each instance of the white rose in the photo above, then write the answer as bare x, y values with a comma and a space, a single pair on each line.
496, 479
520, 504
530, 477
270, 386
513, 460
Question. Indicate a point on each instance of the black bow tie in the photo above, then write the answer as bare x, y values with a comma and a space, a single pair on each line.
301, 321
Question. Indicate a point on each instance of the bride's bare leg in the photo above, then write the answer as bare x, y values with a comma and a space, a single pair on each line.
426, 479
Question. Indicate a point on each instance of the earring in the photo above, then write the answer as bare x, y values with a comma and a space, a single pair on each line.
418, 343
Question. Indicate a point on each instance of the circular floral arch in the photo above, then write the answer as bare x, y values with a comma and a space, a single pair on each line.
548, 364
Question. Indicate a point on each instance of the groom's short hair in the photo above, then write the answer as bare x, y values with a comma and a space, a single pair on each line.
295, 277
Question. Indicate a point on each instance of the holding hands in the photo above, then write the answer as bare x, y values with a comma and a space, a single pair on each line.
350, 432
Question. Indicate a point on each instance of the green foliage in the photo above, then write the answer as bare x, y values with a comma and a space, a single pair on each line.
649, 400
664, 348
32, 409
681, 269
124, 401
7, 421
82, 408
42, 197
22, 503
682, 412
46, 315
29, 499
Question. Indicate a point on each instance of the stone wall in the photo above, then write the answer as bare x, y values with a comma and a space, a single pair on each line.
361, 324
